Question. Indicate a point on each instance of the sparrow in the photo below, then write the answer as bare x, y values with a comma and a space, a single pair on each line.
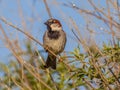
55, 40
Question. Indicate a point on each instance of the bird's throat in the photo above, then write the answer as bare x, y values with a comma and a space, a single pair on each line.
53, 34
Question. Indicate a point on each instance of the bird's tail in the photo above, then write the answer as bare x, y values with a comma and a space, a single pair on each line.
51, 62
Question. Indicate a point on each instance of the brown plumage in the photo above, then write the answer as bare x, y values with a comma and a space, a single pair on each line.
55, 39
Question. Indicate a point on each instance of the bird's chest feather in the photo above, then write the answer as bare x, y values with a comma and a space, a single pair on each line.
55, 41
54, 38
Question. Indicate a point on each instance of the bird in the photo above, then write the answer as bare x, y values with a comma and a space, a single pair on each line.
55, 40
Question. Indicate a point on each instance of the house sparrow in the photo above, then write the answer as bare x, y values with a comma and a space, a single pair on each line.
55, 39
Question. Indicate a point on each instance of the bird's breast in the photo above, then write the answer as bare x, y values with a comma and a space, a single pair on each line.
55, 41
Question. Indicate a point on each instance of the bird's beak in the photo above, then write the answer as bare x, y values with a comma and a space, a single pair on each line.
46, 23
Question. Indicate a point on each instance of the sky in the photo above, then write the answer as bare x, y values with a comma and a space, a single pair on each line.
30, 15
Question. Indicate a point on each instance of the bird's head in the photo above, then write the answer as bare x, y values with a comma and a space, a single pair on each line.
53, 24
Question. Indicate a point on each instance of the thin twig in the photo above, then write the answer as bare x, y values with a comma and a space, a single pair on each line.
88, 84
47, 8
117, 25
30, 36
20, 60
113, 73
93, 61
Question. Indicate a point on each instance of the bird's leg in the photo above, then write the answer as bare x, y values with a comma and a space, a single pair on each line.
46, 48
60, 59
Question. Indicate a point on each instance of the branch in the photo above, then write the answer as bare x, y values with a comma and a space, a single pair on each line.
32, 38
47, 8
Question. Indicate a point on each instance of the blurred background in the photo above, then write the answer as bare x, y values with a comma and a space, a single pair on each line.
89, 24
30, 15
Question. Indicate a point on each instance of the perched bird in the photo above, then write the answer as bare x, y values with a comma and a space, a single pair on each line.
55, 39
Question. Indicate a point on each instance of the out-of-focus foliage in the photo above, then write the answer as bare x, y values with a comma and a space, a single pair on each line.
90, 66
85, 71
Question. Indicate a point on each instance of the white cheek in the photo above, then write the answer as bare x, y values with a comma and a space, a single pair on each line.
56, 28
